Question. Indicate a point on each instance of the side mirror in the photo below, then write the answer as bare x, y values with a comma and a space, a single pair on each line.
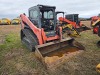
24, 14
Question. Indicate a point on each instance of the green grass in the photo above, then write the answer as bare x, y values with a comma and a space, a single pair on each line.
89, 40
12, 41
16, 59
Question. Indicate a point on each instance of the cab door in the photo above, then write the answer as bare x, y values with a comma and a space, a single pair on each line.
34, 17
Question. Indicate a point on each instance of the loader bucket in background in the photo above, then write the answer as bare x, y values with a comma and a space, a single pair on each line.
54, 53
85, 28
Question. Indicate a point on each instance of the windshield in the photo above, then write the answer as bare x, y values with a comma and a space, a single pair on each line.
48, 14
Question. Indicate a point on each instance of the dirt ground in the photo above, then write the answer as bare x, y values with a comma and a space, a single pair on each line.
16, 59
87, 23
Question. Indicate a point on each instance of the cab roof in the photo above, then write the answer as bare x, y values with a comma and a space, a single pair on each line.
43, 7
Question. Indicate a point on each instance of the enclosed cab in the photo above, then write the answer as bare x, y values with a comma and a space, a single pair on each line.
73, 18
42, 23
43, 17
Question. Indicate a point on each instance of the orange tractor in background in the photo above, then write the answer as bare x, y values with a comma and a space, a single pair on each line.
73, 19
41, 33
93, 19
70, 24
67, 27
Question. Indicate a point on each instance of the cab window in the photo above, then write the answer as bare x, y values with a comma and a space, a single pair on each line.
48, 14
33, 14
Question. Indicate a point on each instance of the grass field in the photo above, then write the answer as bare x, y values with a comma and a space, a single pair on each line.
16, 59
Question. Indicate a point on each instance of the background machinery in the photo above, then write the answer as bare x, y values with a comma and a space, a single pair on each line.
94, 19
0, 21
67, 27
73, 19
40, 33
96, 28
95, 23
15, 21
5, 21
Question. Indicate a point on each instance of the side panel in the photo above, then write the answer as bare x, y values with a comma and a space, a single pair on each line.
66, 20
36, 30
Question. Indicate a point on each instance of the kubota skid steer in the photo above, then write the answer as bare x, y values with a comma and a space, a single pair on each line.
41, 34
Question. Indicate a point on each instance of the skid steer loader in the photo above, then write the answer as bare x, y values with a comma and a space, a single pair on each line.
74, 20
67, 28
40, 33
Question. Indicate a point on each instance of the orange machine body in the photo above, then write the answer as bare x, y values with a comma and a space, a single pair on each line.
41, 36
68, 21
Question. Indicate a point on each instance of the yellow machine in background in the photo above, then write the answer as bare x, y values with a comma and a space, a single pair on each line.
0, 21
15, 21
71, 31
68, 27
6, 21
98, 68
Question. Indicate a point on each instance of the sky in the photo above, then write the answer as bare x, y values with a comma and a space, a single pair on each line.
85, 8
